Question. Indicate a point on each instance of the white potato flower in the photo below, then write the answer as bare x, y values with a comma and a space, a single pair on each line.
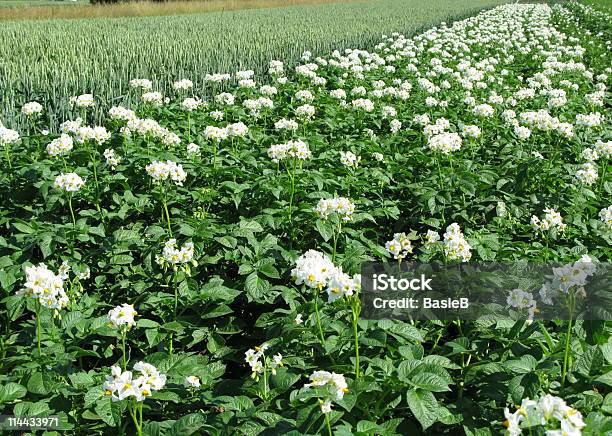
294, 149
313, 269
605, 215
144, 84
8, 136
122, 384
192, 381
153, 98
122, 316
191, 104
445, 143
69, 182
31, 109
285, 124
60, 146
112, 159
349, 159
82, 101
193, 149
182, 85
169, 170
172, 256
45, 286
587, 174
456, 247
552, 220
340, 206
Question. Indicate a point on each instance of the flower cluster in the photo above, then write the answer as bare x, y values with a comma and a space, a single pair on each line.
82, 101
315, 270
571, 277
182, 85
605, 215
335, 383
400, 246
172, 256
349, 159
161, 171
587, 173
456, 247
8, 136
119, 113
340, 206
258, 361
193, 149
519, 299
153, 98
60, 146
552, 220
69, 182
112, 159
45, 286
341, 285
32, 108
144, 84
256, 106
122, 384
445, 143
285, 124
150, 129
192, 104
122, 317
296, 149
548, 412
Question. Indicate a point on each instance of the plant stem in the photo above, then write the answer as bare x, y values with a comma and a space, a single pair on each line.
336, 235
566, 354
165, 205
38, 326
175, 286
188, 126
123, 334
133, 410
292, 191
265, 380
318, 318
8, 156
71, 209
356, 334
327, 423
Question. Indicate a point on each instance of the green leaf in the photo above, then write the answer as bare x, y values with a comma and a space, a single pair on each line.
256, 287
253, 226
590, 362
187, 425
11, 391
39, 383
93, 395
23, 228
524, 365
430, 382
325, 229
108, 411
605, 379
423, 406
367, 426
146, 323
